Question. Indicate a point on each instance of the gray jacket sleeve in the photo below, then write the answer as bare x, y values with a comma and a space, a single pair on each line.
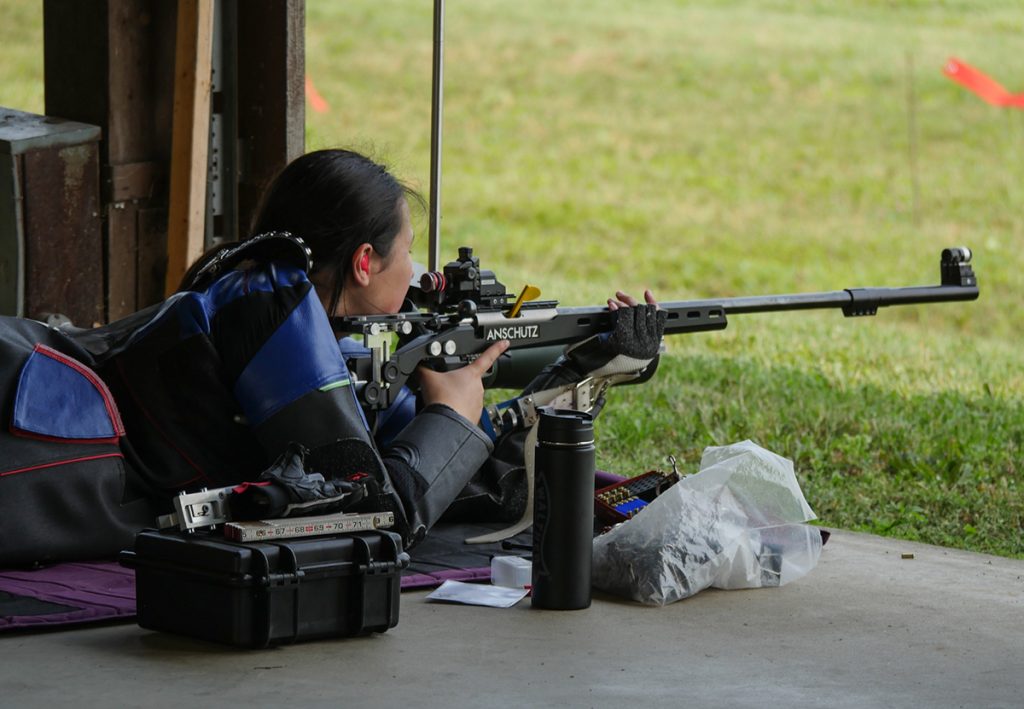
431, 461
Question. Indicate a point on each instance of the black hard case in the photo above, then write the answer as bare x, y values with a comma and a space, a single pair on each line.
267, 593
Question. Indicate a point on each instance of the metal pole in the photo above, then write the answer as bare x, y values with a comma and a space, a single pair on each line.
436, 114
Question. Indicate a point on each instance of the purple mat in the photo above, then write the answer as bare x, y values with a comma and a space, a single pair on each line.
64, 594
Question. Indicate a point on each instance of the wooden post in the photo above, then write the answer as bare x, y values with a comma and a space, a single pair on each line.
190, 139
111, 63
271, 95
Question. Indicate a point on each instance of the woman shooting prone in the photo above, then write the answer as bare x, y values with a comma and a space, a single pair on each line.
218, 382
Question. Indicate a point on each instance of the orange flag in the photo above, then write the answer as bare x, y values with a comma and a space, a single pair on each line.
316, 101
987, 88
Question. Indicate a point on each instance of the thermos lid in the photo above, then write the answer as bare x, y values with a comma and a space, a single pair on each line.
565, 427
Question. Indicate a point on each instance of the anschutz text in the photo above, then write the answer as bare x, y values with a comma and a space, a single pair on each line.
513, 332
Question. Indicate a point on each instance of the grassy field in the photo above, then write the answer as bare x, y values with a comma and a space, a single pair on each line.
729, 148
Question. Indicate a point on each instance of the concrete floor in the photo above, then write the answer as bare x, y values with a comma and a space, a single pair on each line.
867, 628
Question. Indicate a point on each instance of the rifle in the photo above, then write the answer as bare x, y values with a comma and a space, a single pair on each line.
464, 309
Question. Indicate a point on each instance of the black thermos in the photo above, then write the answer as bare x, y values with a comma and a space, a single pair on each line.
563, 510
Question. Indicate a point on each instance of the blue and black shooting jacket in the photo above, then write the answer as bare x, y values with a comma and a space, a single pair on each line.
104, 426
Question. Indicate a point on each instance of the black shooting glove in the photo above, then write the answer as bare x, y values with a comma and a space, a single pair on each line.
286, 489
638, 331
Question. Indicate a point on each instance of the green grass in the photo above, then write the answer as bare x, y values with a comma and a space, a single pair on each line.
728, 148
21, 36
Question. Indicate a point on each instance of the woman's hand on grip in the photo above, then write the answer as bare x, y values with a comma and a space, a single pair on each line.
461, 389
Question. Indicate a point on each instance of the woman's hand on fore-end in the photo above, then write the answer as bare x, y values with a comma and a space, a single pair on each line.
624, 300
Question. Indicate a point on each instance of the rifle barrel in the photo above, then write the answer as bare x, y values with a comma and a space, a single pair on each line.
854, 301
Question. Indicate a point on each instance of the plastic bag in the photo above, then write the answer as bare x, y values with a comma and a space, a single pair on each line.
738, 523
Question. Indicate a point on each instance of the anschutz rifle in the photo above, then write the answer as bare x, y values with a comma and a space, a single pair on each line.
467, 309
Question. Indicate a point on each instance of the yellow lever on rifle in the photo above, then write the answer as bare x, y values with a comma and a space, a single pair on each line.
529, 293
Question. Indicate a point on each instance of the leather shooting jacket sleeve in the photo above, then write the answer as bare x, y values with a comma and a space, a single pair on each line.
214, 385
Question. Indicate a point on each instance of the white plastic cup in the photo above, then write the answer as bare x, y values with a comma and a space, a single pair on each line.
511, 571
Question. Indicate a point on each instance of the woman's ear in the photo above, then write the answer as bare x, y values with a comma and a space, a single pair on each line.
361, 264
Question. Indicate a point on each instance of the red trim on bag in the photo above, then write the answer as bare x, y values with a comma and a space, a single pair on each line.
108, 399
239, 489
61, 462
21, 433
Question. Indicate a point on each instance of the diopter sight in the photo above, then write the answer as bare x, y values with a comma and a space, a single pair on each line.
463, 280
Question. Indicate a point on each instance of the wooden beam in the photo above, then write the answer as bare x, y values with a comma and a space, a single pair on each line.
190, 138
110, 63
63, 233
271, 96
